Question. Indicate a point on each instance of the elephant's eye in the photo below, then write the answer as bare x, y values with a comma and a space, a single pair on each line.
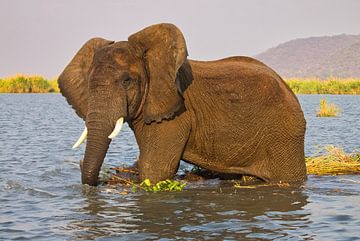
126, 81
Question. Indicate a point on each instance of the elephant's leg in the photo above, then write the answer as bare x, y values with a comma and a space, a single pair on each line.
287, 162
161, 146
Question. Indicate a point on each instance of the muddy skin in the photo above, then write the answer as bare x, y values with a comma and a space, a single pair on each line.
232, 116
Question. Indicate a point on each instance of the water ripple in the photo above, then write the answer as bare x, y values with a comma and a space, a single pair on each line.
42, 199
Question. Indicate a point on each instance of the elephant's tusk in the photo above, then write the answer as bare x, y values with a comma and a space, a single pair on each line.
81, 138
117, 128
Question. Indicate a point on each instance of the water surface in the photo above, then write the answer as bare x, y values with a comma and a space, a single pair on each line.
41, 197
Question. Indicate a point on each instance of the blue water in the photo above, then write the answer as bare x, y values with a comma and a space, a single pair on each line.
41, 197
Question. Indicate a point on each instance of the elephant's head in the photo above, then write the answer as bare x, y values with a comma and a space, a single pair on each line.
110, 82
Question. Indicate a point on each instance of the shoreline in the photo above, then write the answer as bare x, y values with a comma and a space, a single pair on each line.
37, 84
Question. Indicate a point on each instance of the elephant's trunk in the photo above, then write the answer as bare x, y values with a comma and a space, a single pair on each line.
96, 148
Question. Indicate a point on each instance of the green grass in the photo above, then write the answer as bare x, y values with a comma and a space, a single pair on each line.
349, 86
27, 84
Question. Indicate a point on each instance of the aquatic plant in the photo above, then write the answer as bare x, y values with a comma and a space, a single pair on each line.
105, 173
167, 185
327, 110
334, 161
128, 177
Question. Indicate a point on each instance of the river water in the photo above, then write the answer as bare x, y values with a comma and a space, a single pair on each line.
41, 197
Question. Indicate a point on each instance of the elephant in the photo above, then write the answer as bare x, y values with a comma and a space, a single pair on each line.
234, 115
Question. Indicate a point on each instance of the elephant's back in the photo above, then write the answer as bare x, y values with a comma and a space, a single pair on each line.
243, 69
248, 78
242, 62
239, 85
244, 96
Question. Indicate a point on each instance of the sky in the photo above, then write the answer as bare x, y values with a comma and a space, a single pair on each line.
41, 36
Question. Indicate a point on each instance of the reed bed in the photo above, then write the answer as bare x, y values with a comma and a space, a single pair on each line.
349, 86
334, 162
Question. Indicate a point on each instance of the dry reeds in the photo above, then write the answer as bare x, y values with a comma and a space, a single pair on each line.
334, 162
327, 110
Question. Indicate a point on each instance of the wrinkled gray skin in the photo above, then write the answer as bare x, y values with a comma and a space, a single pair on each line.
234, 115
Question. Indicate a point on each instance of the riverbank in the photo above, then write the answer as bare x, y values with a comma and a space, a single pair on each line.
28, 84
38, 84
350, 86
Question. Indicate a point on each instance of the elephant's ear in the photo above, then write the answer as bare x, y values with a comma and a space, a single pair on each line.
163, 50
73, 81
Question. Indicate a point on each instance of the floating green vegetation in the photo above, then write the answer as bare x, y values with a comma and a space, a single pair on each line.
334, 162
167, 185
349, 86
327, 110
28, 84
129, 176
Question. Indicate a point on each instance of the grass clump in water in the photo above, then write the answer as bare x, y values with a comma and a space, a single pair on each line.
334, 162
327, 110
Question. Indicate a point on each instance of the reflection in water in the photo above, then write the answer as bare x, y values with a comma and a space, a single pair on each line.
102, 215
264, 212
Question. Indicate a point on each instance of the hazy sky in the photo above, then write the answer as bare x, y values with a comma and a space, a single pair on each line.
41, 36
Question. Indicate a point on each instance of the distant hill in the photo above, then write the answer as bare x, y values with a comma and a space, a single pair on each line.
322, 57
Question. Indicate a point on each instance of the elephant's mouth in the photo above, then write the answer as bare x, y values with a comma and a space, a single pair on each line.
114, 133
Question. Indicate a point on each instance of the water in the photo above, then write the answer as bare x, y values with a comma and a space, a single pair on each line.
41, 197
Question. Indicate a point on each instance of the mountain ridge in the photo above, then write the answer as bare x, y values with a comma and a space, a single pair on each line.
319, 57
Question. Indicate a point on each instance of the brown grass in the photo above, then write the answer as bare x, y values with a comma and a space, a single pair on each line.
334, 162
327, 110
